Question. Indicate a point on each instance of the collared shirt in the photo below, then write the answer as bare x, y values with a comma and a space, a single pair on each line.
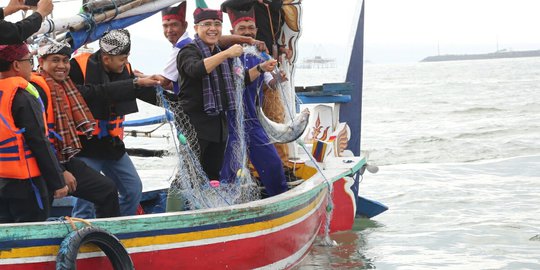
170, 71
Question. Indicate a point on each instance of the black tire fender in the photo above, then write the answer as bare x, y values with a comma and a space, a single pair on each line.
107, 242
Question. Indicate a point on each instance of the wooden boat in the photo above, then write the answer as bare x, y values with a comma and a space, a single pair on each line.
272, 233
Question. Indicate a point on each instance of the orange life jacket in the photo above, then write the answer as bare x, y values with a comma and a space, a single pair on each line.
16, 159
37, 79
114, 126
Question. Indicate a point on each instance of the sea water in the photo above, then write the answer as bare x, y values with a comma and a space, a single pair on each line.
458, 146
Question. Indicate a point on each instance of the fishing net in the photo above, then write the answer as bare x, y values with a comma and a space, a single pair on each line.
284, 92
288, 97
190, 184
244, 185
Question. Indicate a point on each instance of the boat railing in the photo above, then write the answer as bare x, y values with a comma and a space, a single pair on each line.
325, 93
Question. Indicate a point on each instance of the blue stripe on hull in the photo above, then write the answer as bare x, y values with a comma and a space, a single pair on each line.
56, 241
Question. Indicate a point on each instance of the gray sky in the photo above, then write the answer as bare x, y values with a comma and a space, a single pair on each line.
410, 30
395, 30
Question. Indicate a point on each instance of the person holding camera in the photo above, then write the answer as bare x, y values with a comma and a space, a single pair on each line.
15, 33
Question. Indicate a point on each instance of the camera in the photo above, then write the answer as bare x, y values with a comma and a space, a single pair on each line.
32, 3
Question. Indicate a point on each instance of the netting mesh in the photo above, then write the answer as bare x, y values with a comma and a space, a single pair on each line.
283, 88
190, 183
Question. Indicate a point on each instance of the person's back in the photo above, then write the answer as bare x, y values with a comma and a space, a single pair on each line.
28, 167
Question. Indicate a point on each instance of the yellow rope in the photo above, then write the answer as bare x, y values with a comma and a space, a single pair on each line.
71, 221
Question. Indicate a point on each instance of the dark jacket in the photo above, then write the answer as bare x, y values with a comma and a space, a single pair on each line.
191, 70
16, 33
265, 24
107, 95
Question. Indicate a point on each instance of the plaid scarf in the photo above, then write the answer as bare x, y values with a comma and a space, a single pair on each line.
70, 114
213, 104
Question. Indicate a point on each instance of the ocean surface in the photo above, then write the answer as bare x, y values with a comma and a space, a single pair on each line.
458, 148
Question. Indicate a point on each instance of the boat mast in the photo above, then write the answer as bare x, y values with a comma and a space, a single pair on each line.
351, 112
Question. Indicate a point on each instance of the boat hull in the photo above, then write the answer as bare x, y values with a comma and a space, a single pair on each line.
274, 233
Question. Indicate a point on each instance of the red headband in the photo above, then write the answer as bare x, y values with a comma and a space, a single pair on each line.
10, 53
235, 22
175, 13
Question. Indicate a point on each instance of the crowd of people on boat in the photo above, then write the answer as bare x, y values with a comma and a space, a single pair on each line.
61, 128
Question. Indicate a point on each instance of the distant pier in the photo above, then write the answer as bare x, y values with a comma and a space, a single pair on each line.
494, 55
317, 62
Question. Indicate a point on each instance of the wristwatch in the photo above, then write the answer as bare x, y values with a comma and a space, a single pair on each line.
259, 68
135, 80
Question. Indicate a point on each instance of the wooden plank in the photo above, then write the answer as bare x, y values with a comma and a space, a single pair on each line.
338, 88
326, 89
307, 99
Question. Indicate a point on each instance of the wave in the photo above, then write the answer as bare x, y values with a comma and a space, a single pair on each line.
478, 110
426, 139
478, 134
526, 164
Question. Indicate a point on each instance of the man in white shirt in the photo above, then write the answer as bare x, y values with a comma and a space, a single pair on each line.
174, 28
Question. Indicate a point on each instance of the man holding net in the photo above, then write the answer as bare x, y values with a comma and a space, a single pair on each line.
207, 88
262, 154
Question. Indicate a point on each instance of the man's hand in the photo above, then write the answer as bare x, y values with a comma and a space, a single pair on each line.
148, 81
61, 193
286, 51
44, 7
234, 51
71, 182
164, 82
269, 65
14, 6
261, 46
139, 73
282, 77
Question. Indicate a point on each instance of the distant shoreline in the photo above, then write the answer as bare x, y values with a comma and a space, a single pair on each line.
494, 55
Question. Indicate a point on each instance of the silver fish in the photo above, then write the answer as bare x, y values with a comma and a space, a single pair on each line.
284, 133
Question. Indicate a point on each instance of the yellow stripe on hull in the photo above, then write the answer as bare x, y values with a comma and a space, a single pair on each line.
52, 250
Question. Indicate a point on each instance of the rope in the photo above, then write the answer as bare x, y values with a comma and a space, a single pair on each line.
71, 221
271, 25
252, 50
89, 21
115, 9
330, 206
